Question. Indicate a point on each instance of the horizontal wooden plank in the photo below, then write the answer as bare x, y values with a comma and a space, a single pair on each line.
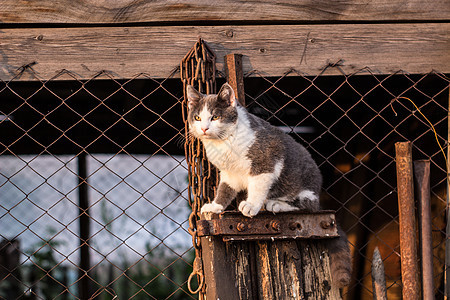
269, 49
126, 11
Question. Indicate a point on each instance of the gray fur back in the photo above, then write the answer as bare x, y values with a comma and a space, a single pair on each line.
300, 171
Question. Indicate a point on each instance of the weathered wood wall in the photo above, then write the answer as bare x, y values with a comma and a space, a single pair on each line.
128, 37
131, 11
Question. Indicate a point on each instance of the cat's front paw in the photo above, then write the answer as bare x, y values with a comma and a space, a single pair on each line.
248, 209
212, 207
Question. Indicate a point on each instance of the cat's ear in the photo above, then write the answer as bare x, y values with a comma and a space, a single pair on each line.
193, 96
226, 93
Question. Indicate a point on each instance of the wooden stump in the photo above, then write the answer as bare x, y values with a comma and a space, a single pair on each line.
279, 269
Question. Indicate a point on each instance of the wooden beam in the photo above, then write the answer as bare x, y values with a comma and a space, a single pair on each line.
130, 11
84, 280
270, 49
235, 76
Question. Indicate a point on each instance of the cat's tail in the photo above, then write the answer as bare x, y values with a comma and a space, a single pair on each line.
340, 260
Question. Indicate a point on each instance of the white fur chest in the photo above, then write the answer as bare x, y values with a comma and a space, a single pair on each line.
230, 155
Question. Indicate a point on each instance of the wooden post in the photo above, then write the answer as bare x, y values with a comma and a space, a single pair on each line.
408, 249
422, 175
378, 276
226, 267
265, 269
280, 269
84, 291
235, 75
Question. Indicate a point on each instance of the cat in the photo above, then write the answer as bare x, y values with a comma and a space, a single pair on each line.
275, 171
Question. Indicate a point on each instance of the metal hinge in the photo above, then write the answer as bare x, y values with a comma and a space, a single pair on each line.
233, 226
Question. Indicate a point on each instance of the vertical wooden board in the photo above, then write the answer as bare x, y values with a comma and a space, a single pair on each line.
265, 280
286, 257
219, 275
279, 270
241, 257
235, 75
316, 271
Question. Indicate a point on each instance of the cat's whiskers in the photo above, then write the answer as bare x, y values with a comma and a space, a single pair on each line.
180, 140
185, 138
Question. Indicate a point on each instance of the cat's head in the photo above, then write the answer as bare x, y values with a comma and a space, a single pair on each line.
212, 116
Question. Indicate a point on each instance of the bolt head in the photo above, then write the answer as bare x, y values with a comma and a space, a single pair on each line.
240, 227
325, 224
328, 224
275, 225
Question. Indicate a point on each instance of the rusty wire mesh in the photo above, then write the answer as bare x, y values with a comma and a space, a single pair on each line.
350, 123
128, 136
131, 135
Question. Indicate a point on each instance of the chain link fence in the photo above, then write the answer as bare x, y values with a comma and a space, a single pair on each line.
350, 124
99, 165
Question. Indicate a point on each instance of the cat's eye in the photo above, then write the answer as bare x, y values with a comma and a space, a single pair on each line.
197, 118
214, 118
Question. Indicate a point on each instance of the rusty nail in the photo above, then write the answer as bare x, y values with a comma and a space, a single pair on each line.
275, 225
262, 50
240, 227
229, 33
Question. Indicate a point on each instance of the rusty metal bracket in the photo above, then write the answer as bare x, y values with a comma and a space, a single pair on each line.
233, 226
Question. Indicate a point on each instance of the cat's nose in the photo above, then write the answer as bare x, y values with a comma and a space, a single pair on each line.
204, 129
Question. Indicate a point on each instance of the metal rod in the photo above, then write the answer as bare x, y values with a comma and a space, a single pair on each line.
378, 277
84, 222
447, 229
422, 174
408, 250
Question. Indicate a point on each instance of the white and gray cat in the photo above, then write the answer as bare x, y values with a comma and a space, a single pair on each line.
255, 157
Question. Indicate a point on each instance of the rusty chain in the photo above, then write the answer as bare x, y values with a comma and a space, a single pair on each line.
199, 70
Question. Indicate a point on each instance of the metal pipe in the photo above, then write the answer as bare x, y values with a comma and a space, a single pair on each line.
408, 250
422, 174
